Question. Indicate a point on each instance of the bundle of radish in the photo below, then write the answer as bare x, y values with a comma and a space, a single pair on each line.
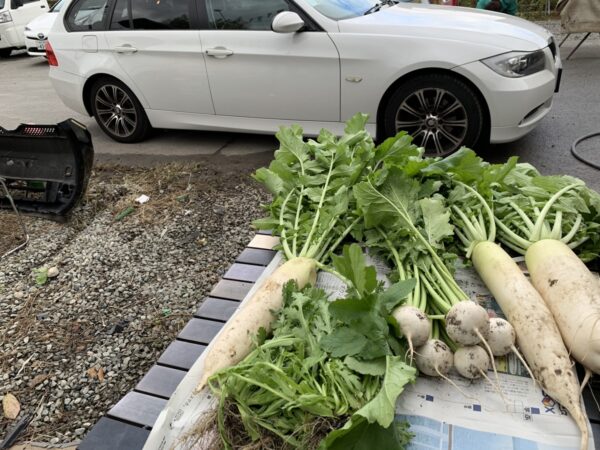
551, 219
538, 337
311, 212
328, 376
407, 223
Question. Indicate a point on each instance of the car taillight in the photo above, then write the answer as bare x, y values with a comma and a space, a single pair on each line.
50, 55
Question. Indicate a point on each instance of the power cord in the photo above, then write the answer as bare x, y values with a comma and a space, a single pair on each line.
578, 156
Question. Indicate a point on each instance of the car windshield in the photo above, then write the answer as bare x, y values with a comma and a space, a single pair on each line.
56, 7
342, 9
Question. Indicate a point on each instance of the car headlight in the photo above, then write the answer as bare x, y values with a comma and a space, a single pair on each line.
517, 64
27, 29
5, 17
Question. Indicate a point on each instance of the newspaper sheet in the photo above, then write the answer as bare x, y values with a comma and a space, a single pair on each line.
441, 416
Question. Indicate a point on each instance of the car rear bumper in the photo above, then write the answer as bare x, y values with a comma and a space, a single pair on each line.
69, 88
516, 105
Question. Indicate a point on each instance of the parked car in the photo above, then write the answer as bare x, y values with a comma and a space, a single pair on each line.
14, 15
449, 76
36, 31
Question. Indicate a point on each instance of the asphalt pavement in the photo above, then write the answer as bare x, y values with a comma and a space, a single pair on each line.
26, 96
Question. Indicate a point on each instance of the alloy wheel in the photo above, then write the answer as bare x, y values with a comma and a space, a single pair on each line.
436, 120
116, 110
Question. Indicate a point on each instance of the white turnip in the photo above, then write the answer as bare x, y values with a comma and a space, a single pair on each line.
502, 336
434, 358
471, 361
414, 325
467, 323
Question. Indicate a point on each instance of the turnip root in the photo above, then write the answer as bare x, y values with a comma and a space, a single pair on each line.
414, 325
471, 361
467, 323
234, 342
434, 358
572, 294
502, 337
502, 340
537, 334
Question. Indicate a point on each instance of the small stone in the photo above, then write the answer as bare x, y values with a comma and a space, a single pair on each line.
54, 440
53, 272
19, 295
79, 431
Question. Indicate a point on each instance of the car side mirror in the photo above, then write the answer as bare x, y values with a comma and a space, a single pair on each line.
16, 4
287, 22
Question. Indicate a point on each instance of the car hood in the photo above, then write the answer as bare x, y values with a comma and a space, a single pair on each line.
42, 24
448, 23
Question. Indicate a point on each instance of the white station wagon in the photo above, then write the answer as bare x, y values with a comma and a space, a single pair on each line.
449, 76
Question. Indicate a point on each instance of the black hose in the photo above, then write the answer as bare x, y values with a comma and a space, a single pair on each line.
578, 156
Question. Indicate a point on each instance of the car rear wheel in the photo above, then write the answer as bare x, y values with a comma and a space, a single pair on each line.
440, 111
5, 52
118, 111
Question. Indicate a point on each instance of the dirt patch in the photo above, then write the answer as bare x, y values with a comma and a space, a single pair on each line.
72, 346
10, 233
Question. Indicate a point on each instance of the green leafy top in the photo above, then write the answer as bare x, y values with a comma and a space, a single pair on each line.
515, 198
311, 181
408, 222
530, 207
363, 319
295, 377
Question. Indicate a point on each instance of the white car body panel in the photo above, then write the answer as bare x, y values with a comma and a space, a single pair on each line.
183, 121
12, 33
150, 74
315, 79
456, 27
293, 76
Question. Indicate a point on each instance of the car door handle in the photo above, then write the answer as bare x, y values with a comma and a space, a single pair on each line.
125, 49
219, 52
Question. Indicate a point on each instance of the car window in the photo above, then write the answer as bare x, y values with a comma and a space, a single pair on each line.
160, 14
1, 4
29, 1
120, 18
342, 9
243, 15
57, 6
87, 15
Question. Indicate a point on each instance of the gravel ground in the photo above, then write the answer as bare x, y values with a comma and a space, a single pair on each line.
70, 348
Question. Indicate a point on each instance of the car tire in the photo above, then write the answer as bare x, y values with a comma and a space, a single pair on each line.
5, 52
440, 111
118, 112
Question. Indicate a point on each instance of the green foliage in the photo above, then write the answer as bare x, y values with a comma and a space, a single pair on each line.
313, 207
324, 359
360, 434
41, 276
383, 407
527, 206
363, 317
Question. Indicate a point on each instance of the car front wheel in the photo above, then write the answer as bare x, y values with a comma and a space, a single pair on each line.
440, 111
118, 111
